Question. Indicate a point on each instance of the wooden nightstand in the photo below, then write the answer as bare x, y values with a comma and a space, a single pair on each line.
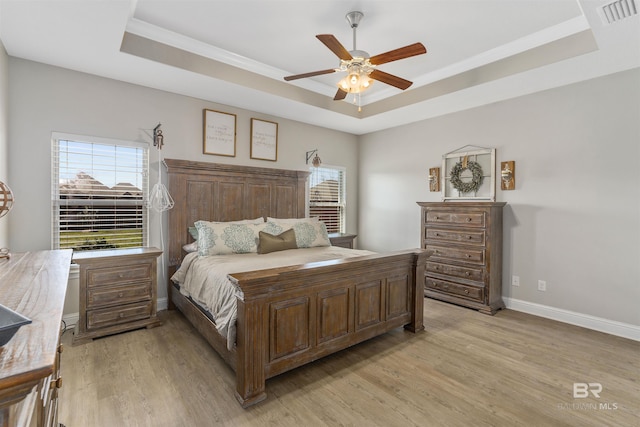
344, 240
118, 291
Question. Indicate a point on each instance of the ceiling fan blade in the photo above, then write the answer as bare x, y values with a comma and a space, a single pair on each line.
390, 79
335, 46
340, 95
401, 53
311, 74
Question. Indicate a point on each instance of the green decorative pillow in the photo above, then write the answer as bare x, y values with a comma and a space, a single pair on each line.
193, 231
227, 238
309, 231
283, 241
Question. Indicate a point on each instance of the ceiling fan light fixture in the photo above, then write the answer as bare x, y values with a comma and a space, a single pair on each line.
355, 83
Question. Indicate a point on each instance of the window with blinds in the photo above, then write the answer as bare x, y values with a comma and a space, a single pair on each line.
99, 193
327, 197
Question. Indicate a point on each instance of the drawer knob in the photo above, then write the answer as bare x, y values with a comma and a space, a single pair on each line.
437, 234
435, 285
466, 291
468, 256
466, 273
469, 219
437, 217
60, 348
120, 295
469, 237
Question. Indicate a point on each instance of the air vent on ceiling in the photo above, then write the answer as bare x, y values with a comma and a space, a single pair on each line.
618, 10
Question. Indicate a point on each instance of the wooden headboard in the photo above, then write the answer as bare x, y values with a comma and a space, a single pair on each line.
221, 192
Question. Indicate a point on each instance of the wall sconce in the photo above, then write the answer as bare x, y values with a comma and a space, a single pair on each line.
434, 179
508, 175
158, 139
316, 162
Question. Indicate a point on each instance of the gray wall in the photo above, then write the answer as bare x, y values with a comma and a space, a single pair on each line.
46, 99
574, 218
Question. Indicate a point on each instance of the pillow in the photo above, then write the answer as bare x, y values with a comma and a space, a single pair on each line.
270, 243
290, 220
309, 231
219, 238
191, 247
194, 231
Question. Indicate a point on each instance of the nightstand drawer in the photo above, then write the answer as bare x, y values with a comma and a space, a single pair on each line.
471, 292
119, 274
101, 296
116, 315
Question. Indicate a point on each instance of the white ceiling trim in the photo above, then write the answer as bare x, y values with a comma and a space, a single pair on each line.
188, 44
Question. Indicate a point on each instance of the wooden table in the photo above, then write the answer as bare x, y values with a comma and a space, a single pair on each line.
33, 284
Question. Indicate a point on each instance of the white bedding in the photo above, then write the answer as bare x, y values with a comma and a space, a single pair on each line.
205, 280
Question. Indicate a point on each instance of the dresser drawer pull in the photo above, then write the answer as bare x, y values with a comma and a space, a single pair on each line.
57, 383
466, 273
120, 294
469, 219
437, 234
466, 291
469, 237
468, 256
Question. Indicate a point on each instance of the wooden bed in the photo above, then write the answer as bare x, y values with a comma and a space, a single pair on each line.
293, 315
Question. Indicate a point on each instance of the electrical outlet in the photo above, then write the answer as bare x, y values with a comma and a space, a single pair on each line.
542, 285
515, 280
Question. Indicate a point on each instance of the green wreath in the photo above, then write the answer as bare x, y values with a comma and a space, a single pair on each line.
476, 180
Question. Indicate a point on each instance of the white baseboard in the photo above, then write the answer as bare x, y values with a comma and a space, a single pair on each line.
72, 318
612, 327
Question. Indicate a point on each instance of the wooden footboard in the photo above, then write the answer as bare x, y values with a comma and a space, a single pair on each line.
293, 315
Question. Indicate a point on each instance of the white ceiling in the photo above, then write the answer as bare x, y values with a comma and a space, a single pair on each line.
236, 52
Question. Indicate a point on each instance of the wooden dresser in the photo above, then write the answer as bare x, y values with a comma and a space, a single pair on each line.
118, 291
33, 284
465, 266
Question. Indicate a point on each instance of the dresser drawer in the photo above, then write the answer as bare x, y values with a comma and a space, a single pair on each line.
472, 237
119, 274
474, 274
467, 255
120, 314
101, 296
458, 289
467, 219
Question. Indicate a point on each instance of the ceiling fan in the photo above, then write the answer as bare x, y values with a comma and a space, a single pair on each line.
361, 67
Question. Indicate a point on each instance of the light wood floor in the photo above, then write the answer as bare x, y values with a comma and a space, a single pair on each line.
466, 369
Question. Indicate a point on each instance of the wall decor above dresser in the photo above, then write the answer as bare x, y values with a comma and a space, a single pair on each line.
465, 241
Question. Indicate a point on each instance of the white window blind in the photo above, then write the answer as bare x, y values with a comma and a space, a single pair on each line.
99, 193
327, 197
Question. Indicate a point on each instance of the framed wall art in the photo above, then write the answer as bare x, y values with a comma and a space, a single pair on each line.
468, 173
264, 140
219, 133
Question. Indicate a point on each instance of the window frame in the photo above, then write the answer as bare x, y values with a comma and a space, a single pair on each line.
342, 194
57, 201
